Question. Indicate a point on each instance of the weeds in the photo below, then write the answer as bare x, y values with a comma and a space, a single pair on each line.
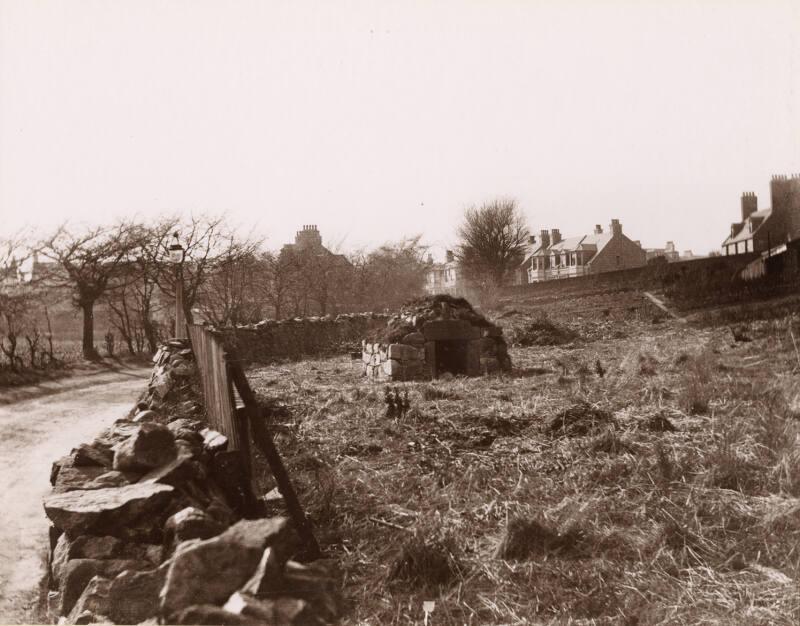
427, 561
698, 384
663, 497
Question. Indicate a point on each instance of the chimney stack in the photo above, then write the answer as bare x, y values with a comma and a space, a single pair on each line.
616, 228
555, 236
531, 239
598, 230
749, 204
544, 237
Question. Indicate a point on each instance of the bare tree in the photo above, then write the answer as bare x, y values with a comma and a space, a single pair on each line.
134, 301
389, 276
319, 281
234, 292
493, 239
88, 264
280, 276
15, 312
206, 241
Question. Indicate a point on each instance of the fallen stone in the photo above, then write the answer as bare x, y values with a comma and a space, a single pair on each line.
80, 512
267, 577
151, 446
161, 385
92, 454
78, 573
214, 441
114, 479
192, 448
191, 523
100, 547
187, 407
116, 433
318, 583
211, 614
71, 478
93, 598
128, 598
87, 617
178, 471
183, 370
145, 416
64, 461
185, 424
53, 606
272, 611
209, 571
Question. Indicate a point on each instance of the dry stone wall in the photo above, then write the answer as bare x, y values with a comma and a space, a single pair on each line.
148, 525
272, 340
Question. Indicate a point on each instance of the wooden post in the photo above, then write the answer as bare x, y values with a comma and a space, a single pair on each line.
180, 315
263, 439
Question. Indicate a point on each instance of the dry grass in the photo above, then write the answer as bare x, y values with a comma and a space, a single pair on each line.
657, 513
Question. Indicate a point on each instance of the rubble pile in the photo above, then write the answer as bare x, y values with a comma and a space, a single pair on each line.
148, 525
433, 335
174, 384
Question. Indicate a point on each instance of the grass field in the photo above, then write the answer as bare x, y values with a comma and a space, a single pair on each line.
639, 473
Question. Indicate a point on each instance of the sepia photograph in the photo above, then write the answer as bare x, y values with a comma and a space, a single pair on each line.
382, 312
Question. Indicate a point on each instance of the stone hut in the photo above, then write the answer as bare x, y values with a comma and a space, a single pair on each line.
433, 336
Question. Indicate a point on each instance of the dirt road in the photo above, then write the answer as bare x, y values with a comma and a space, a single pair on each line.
33, 433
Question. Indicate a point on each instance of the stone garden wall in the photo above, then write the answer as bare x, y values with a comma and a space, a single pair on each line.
148, 525
273, 340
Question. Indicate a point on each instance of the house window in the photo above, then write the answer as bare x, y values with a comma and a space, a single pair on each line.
619, 261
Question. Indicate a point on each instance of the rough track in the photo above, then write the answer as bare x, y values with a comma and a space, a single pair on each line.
33, 433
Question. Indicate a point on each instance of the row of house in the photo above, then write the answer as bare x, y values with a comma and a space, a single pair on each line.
761, 230
552, 257
549, 256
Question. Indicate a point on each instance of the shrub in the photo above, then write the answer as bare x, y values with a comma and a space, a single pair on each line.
427, 561
526, 538
698, 387
540, 332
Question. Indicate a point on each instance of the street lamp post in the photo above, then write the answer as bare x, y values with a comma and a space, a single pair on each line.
176, 256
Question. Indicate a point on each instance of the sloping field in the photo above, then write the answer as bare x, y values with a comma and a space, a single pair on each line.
637, 472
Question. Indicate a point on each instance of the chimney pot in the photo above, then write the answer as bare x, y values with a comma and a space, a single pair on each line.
544, 238
749, 204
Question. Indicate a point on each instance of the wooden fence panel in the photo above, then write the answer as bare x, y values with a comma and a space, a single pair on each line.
212, 364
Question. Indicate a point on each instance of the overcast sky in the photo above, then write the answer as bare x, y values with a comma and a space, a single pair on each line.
376, 120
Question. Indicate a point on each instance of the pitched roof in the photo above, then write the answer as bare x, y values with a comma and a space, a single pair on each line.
588, 243
531, 252
749, 227
567, 245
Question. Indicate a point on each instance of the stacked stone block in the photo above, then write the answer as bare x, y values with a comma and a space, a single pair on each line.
415, 342
394, 361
